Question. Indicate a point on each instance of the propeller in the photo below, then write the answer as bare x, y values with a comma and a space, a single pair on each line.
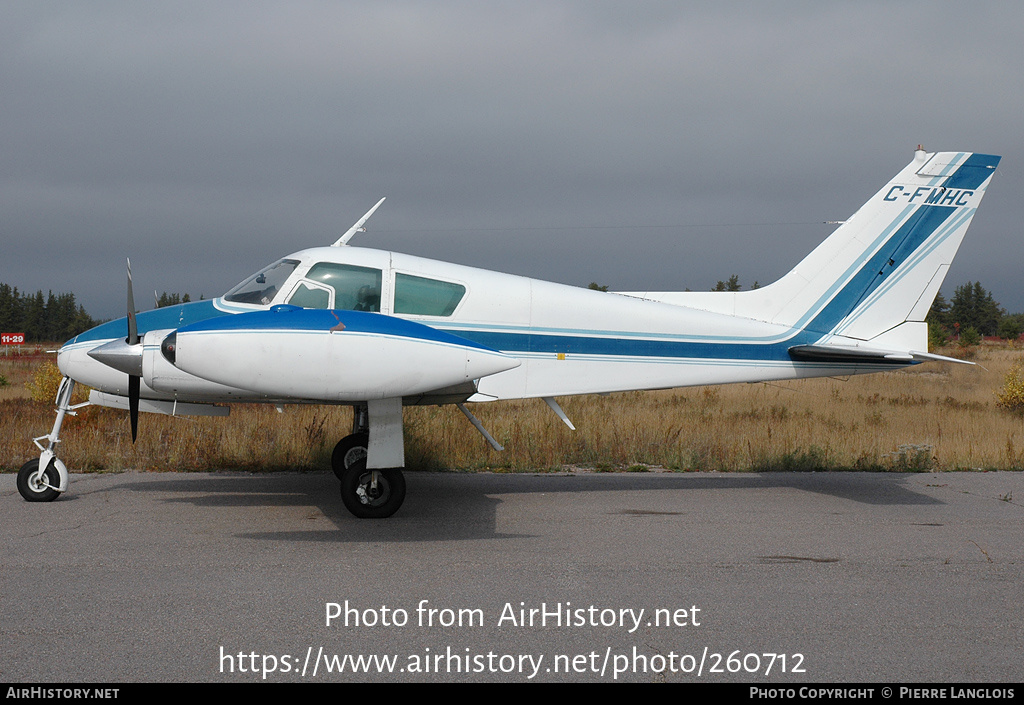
132, 340
126, 356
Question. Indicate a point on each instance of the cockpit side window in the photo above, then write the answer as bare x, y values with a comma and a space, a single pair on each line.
355, 288
426, 297
310, 295
262, 287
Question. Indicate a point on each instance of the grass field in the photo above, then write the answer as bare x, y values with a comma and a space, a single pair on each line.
936, 416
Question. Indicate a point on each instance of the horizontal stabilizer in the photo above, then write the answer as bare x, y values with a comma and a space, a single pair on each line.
845, 353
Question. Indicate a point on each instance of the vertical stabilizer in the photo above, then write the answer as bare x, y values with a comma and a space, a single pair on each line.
881, 268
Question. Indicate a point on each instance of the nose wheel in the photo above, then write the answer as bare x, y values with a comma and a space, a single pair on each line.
36, 486
372, 494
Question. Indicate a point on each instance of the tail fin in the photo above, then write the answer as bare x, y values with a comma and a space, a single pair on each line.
876, 276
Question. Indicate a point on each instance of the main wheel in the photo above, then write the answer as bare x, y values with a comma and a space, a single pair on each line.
33, 485
349, 450
372, 494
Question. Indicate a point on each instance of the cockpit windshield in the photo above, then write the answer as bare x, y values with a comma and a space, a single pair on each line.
262, 287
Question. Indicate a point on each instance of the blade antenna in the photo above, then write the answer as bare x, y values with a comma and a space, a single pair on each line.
357, 228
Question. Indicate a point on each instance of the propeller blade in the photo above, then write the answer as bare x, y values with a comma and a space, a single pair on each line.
132, 339
133, 404
133, 331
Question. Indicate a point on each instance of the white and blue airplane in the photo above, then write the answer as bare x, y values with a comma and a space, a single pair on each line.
379, 330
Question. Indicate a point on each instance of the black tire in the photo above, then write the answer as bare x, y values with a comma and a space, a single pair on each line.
372, 504
30, 488
348, 451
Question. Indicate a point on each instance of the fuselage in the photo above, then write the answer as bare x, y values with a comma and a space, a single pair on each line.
569, 340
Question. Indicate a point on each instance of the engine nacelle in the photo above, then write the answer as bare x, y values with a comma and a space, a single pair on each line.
160, 375
331, 356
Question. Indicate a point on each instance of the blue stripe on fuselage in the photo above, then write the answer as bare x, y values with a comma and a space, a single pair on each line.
157, 319
513, 343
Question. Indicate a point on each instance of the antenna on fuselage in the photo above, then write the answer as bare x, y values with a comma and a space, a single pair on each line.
358, 227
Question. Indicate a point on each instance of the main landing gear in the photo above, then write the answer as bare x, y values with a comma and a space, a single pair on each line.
368, 494
371, 493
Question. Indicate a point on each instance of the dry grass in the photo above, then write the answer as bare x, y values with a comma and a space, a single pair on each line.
18, 370
932, 417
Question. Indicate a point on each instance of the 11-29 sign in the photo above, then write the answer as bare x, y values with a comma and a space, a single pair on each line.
12, 338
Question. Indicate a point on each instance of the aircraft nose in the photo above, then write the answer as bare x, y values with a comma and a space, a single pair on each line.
64, 360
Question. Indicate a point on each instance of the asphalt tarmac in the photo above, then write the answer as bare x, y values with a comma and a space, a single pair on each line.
760, 578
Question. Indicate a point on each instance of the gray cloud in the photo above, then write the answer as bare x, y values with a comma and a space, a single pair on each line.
206, 139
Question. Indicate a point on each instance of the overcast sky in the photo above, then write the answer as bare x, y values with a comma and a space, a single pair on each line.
642, 145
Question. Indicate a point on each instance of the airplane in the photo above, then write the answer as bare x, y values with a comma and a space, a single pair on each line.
380, 330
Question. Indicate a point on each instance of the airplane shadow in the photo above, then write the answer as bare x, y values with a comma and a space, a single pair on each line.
457, 506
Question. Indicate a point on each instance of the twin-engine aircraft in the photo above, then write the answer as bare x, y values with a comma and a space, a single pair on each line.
379, 330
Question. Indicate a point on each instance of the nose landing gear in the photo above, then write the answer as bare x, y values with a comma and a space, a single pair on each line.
44, 479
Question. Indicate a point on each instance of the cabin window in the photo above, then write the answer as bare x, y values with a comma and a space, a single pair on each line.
308, 295
262, 287
426, 297
355, 288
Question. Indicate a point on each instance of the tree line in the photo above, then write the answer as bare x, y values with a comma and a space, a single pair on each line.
51, 318
973, 312
54, 317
